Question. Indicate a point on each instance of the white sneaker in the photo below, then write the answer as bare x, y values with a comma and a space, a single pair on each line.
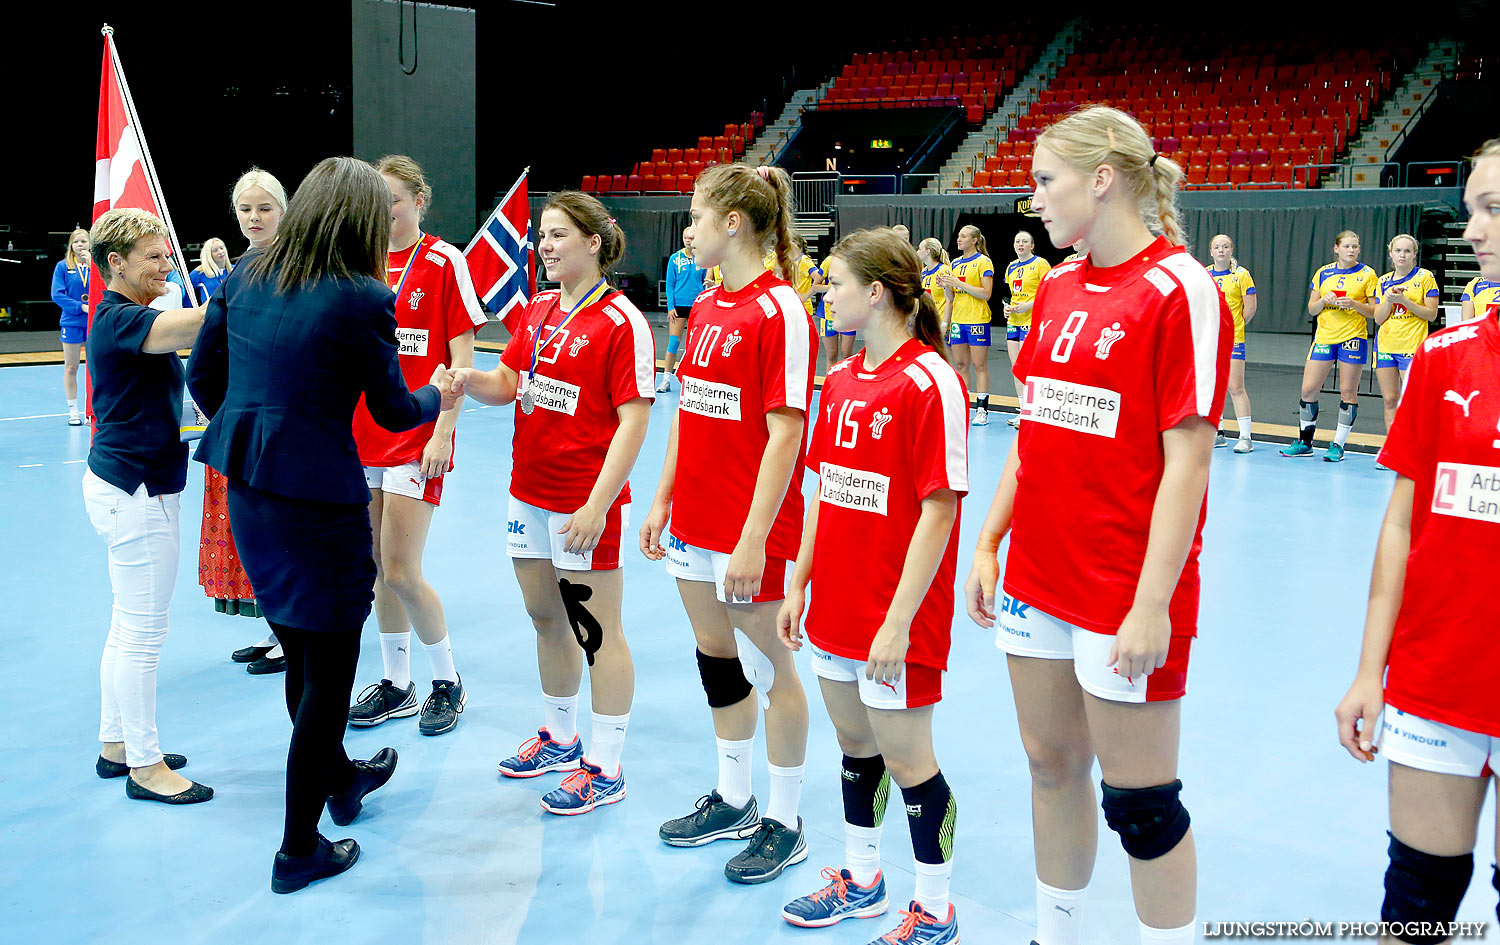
1243, 445
665, 384
1015, 422
981, 418
74, 420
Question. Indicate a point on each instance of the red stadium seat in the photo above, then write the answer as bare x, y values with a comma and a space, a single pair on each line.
737, 145
1282, 174
1218, 174
1238, 157
982, 179
633, 182
649, 184
587, 184
1239, 174
974, 114
674, 155
691, 154
1197, 174
721, 142
679, 168
684, 185
669, 184
605, 184
620, 182
1219, 156
1260, 156
1261, 174
992, 163
659, 155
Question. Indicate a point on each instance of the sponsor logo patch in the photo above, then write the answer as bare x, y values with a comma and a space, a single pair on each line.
552, 394
1072, 406
710, 399
1466, 491
855, 489
412, 341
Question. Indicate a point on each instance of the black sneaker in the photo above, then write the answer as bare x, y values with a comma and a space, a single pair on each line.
383, 701
249, 654
440, 711
774, 847
713, 819
267, 665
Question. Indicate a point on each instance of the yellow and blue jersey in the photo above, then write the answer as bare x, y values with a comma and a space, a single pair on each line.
968, 310
1023, 277
1404, 332
1482, 293
936, 290
1074, 257
1235, 284
1338, 325
802, 280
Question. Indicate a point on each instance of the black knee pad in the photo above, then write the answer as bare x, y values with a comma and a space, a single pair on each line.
1347, 413
723, 680
585, 626
1150, 821
1424, 888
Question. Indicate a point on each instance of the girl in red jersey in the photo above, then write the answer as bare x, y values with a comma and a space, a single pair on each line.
1104, 498
581, 365
890, 446
1431, 658
737, 439
437, 314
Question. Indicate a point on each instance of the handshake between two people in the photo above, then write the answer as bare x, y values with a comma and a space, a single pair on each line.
450, 389
496, 388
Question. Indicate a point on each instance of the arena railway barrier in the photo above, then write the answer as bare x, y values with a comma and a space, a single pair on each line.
901, 187
1360, 172
1416, 115
1460, 166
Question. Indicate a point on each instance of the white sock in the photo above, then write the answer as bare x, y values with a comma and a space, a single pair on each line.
1183, 936
275, 653
932, 887
786, 792
395, 653
561, 714
73, 405
608, 741
862, 852
734, 770
1244, 423
1342, 433
440, 656
270, 640
1059, 914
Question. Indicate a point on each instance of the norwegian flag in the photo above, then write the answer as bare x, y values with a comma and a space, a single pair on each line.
501, 260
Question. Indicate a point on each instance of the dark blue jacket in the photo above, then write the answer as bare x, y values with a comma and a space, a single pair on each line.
280, 376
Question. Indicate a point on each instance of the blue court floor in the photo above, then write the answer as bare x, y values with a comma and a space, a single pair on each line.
1288, 827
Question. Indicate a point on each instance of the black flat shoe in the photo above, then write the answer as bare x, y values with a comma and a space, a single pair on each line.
291, 873
105, 768
196, 794
265, 666
250, 654
369, 775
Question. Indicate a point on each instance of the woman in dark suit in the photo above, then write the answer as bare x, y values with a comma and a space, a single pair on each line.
293, 339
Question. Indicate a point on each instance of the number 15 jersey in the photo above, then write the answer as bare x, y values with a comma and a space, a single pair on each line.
1116, 356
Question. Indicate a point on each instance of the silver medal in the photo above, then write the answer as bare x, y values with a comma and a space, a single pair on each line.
528, 401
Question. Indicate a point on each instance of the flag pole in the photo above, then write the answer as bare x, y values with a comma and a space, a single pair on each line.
151, 179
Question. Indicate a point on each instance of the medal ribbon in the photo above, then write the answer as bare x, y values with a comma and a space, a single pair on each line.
538, 342
406, 269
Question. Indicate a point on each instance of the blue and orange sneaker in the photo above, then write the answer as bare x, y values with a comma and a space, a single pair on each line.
841, 899
584, 790
542, 754
920, 927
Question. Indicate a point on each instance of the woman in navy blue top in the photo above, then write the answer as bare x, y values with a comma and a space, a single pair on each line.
137, 466
290, 342
70, 290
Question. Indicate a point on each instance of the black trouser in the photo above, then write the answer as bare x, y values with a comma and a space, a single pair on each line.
320, 667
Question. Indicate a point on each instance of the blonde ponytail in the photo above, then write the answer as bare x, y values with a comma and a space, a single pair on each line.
936, 251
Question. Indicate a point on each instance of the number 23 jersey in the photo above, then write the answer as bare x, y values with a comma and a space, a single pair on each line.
1116, 356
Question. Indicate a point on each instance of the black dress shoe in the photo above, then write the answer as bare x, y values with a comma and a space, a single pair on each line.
368, 775
196, 794
250, 654
105, 768
291, 873
266, 665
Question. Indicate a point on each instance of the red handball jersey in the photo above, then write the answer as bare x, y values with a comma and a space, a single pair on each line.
1116, 356
884, 441
435, 303
747, 353
602, 358
1445, 653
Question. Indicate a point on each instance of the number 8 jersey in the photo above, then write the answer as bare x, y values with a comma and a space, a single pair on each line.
746, 354
1116, 356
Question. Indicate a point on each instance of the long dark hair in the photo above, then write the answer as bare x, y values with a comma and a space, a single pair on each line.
338, 224
883, 256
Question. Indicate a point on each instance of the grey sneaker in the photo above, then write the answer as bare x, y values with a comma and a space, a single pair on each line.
1220, 440
440, 711
713, 819
383, 701
774, 847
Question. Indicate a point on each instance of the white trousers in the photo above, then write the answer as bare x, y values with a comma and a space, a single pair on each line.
143, 537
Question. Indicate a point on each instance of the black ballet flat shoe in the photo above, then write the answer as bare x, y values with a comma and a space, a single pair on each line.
265, 666
250, 654
291, 873
196, 794
105, 768
369, 775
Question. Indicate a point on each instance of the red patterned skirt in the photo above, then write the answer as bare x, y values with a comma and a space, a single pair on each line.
219, 569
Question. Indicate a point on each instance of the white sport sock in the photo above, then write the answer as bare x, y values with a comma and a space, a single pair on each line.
440, 655
786, 792
607, 742
1342, 433
1183, 936
270, 640
932, 887
1244, 423
561, 716
862, 852
275, 653
395, 654
734, 770
73, 405
1059, 914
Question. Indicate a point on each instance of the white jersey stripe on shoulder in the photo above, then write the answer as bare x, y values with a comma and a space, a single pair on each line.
466, 292
644, 345
955, 418
796, 330
1203, 319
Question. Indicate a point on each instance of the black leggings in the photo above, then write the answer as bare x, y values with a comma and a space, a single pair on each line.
320, 667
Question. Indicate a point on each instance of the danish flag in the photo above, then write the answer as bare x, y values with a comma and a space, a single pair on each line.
501, 260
